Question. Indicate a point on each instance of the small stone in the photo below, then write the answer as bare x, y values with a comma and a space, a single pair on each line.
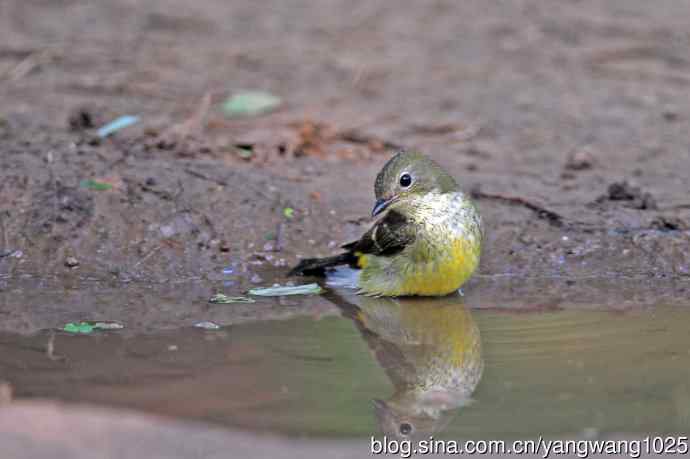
669, 223
623, 191
579, 160
167, 230
81, 118
670, 113
71, 262
207, 325
255, 279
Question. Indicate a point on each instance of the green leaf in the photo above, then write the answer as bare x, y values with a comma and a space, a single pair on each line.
245, 151
95, 185
78, 327
250, 103
307, 289
220, 298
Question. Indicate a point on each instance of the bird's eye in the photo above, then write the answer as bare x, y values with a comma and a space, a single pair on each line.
405, 180
405, 429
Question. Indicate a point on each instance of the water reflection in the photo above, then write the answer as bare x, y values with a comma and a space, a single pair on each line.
569, 372
430, 349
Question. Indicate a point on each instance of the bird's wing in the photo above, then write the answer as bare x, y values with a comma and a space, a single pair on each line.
388, 236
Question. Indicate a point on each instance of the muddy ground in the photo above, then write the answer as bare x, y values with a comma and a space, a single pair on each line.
567, 120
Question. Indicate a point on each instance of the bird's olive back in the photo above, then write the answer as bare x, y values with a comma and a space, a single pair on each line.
412, 172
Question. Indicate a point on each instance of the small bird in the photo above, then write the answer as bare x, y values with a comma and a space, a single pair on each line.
427, 242
430, 349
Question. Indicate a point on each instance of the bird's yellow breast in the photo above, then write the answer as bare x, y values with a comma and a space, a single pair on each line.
424, 270
443, 275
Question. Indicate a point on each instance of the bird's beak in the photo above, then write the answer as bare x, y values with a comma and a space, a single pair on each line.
381, 205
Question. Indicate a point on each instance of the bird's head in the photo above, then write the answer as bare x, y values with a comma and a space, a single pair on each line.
407, 176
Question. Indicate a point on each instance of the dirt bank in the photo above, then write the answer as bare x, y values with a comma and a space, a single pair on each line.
568, 123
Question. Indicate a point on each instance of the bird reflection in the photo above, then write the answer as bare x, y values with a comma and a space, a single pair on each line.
430, 349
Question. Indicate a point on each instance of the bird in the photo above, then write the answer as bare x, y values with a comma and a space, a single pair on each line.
430, 349
426, 242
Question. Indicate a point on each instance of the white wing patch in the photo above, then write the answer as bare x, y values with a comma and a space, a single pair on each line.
343, 277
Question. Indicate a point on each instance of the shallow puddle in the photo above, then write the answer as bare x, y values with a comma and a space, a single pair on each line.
408, 368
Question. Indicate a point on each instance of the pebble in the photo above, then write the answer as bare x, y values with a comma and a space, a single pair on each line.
207, 325
71, 262
167, 230
280, 262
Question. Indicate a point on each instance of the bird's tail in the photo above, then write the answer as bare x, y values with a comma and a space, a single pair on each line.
317, 266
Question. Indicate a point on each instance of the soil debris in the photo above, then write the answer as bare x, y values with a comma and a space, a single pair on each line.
633, 195
83, 118
375, 143
669, 223
187, 130
550, 216
71, 262
579, 159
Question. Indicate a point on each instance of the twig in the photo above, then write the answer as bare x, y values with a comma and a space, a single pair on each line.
190, 126
147, 256
280, 243
355, 136
605, 61
201, 176
50, 348
28, 64
461, 132
552, 217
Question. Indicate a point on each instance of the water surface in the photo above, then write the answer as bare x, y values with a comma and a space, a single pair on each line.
440, 366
